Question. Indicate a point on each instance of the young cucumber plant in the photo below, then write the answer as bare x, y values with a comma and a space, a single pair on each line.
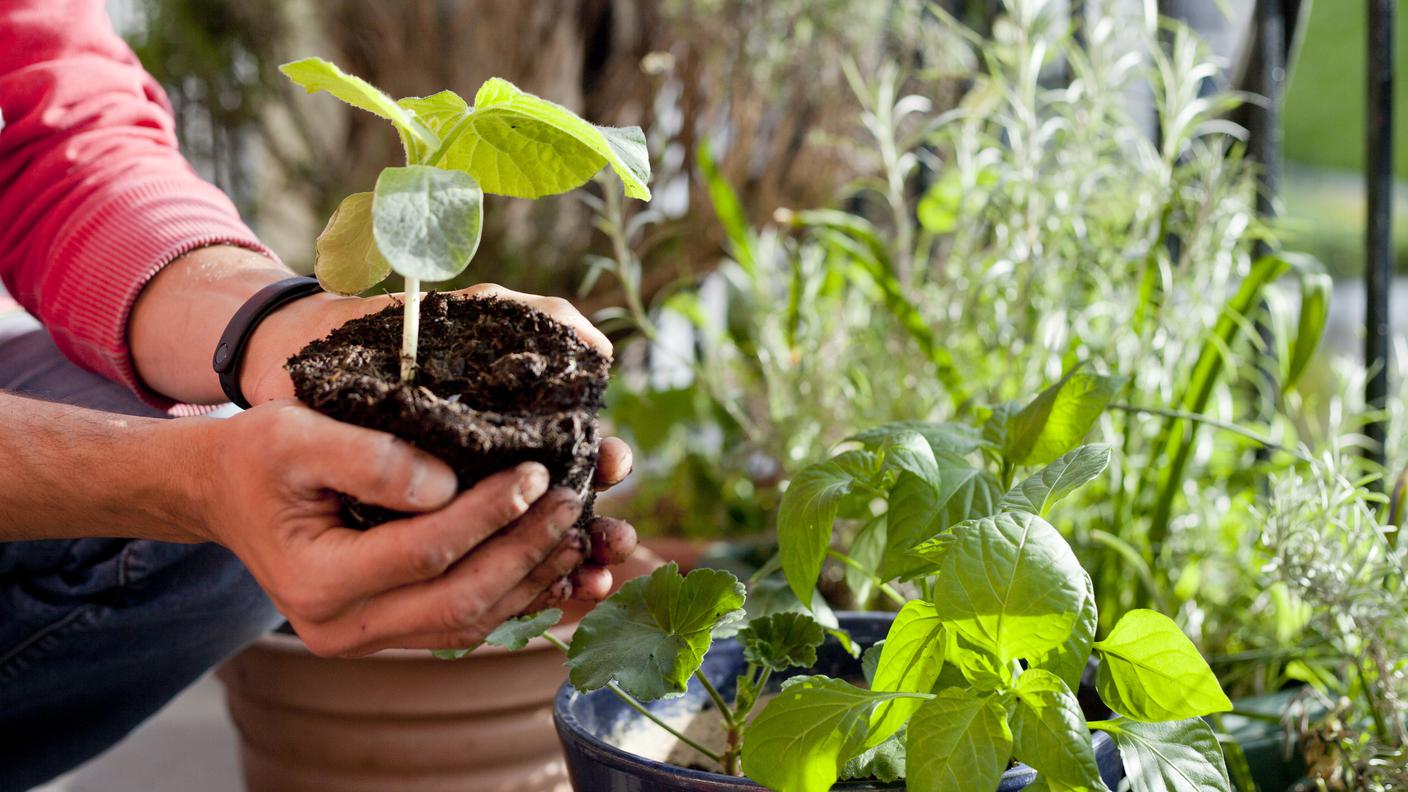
977, 671
423, 220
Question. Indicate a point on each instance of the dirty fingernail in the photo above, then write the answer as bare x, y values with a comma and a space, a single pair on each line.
532, 482
431, 485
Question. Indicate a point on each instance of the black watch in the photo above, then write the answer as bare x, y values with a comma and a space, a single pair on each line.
229, 353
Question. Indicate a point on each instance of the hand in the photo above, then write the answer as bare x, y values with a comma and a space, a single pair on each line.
441, 579
287, 330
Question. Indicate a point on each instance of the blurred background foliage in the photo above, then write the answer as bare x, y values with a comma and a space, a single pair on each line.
898, 210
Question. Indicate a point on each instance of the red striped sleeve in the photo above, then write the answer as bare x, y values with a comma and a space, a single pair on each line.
95, 197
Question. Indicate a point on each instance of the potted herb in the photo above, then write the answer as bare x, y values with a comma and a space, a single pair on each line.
976, 684
483, 384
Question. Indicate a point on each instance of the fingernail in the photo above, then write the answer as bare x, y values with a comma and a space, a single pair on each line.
532, 482
566, 514
560, 590
431, 485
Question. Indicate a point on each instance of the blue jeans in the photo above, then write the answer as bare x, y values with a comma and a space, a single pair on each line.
97, 634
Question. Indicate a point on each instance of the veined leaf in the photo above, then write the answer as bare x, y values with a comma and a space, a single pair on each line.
885, 761
438, 112
1150, 671
1169, 757
807, 512
1072, 470
515, 634
518, 144
953, 438
316, 74
910, 661
651, 635
1012, 583
1049, 733
911, 453
957, 741
803, 737
426, 221
1058, 418
969, 664
346, 258
867, 549
918, 510
1068, 660
781, 641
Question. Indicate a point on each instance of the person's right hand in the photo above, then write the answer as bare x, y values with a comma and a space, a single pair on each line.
442, 579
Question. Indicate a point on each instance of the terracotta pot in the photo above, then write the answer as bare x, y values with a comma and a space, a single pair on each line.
401, 720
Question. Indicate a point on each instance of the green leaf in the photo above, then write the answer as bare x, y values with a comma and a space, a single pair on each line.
1074, 469
346, 259
517, 144
1169, 757
884, 761
802, 739
652, 634
515, 634
910, 662
781, 641
1068, 661
952, 438
970, 664
1058, 418
1150, 671
910, 452
867, 550
918, 510
1010, 582
938, 209
1315, 288
807, 512
1049, 733
316, 74
995, 427
957, 741
427, 220
438, 112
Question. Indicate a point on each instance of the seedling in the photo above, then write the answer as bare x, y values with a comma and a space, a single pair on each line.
976, 671
423, 220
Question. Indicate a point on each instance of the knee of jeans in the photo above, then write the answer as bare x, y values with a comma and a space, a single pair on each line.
208, 589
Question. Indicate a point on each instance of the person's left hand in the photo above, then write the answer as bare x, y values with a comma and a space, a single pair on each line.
286, 331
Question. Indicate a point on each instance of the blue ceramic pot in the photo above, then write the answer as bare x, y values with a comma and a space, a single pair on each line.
587, 721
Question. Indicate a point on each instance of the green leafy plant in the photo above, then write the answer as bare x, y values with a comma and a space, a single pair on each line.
423, 220
978, 668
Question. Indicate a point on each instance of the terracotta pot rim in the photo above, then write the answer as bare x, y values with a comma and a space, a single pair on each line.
284, 643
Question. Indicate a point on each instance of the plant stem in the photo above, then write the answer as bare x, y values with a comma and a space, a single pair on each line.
1213, 422
714, 694
885, 588
640, 708
410, 331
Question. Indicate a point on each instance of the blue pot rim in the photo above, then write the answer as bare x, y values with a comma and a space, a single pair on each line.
567, 721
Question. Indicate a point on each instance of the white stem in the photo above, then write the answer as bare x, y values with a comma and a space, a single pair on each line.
410, 330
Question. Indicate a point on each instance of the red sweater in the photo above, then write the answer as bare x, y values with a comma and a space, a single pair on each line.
95, 197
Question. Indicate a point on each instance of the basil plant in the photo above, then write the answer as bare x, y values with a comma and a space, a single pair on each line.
977, 671
423, 221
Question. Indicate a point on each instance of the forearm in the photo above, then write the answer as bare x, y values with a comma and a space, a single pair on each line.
71, 472
179, 316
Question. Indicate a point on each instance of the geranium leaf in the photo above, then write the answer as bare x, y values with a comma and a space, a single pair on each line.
652, 634
781, 641
1150, 671
515, 634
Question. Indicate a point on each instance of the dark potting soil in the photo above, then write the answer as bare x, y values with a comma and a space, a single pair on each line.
499, 383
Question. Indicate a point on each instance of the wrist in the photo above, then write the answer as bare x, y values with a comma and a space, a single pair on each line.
287, 330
